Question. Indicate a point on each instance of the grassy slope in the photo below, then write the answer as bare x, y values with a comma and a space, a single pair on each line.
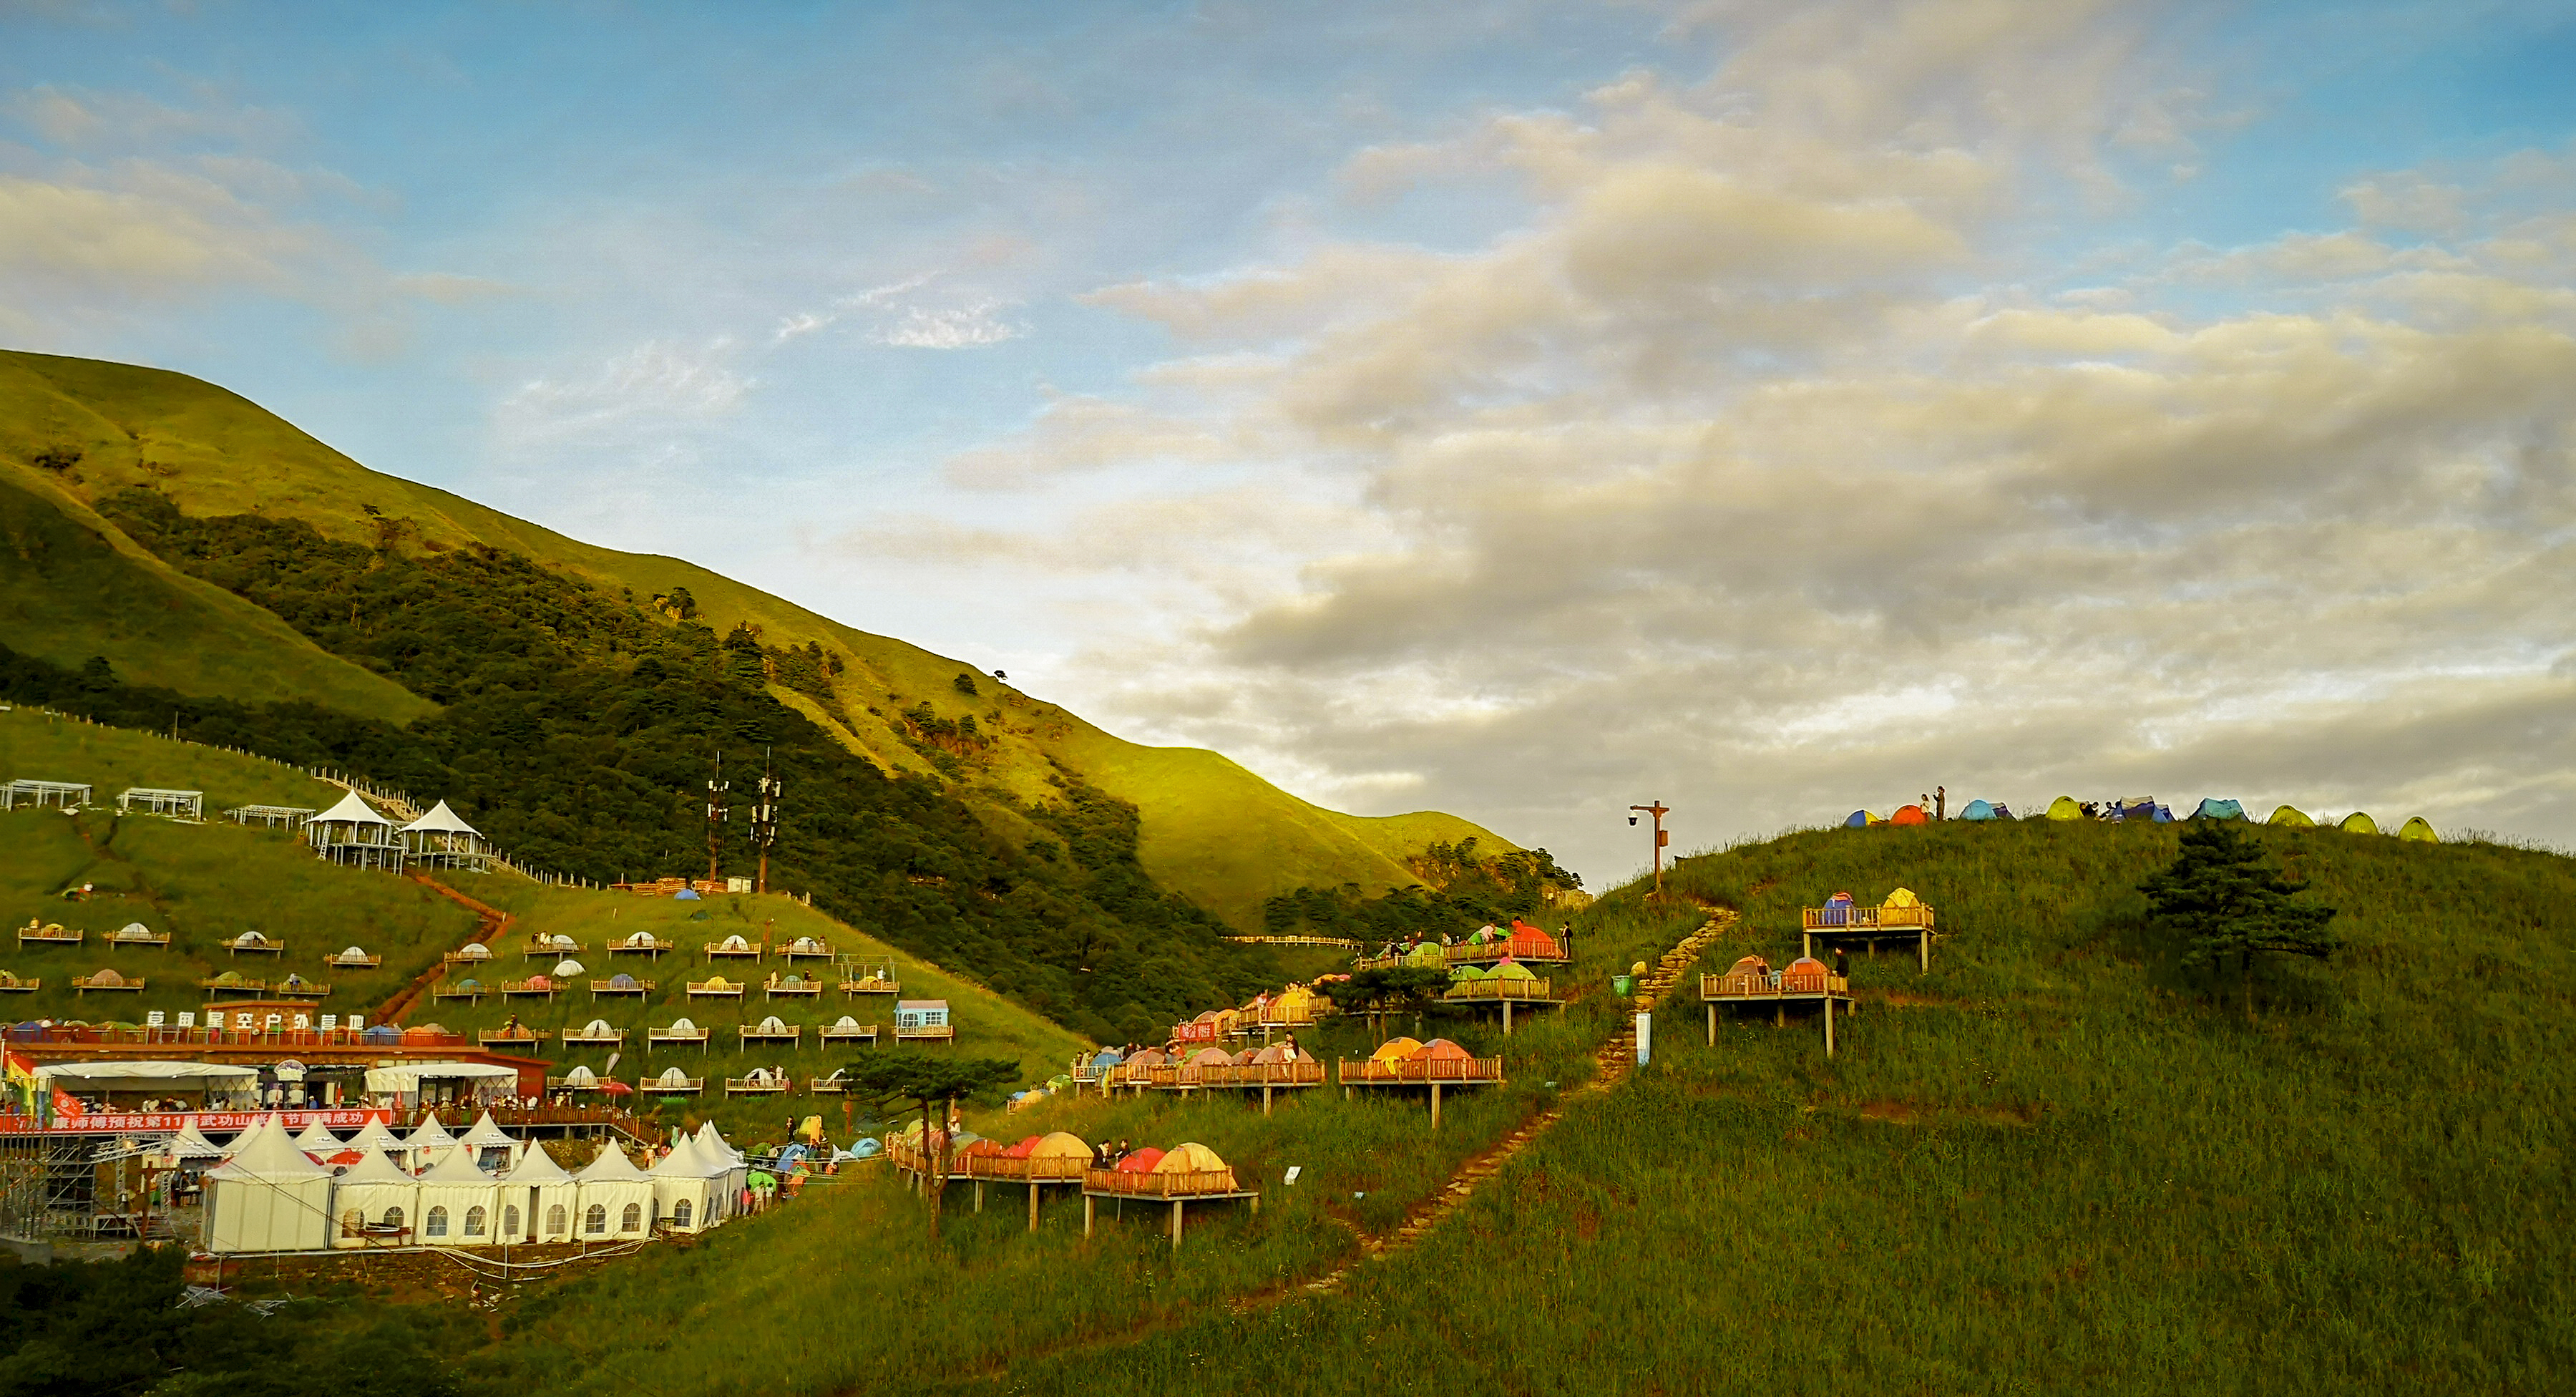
1212, 830
2038, 1168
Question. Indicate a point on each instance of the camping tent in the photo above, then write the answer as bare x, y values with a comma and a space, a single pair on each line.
1438, 1050
2419, 829
1978, 810
1396, 1049
1198, 1159
686, 1186
374, 1191
537, 1199
2213, 808
1909, 815
1862, 819
458, 1203
268, 1197
491, 1144
2358, 823
2290, 817
1902, 897
2065, 808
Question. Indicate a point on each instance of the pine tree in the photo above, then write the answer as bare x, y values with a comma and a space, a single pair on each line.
2224, 901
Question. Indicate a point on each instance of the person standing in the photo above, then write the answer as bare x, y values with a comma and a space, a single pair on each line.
1940, 802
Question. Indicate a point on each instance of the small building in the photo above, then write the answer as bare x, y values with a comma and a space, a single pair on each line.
922, 1018
442, 839
353, 835
152, 800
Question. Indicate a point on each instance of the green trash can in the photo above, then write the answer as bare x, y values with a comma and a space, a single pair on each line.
1623, 985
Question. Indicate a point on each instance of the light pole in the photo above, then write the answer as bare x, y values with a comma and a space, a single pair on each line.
1658, 811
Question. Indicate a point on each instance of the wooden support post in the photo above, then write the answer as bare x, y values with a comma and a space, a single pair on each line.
1090, 1210
1806, 943
1779, 1014
1176, 1227
1507, 1018
979, 1195
1829, 1024
1435, 1105
1265, 1098
1922, 952
1712, 1025
1033, 1201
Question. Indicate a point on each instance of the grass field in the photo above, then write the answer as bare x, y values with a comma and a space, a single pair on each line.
1210, 829
109, 760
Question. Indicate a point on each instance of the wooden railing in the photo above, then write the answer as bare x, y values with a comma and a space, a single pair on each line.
1499, 989
778, 985
926, 1030
784, 1033
610, 986
535, 949
1771, 986
1915, 918
615, 1037
1465, 953
718, 988
1337, 942
1437, 1069
1307, 1073
749, 950
1158, 1185
757, 1086
1004, 1168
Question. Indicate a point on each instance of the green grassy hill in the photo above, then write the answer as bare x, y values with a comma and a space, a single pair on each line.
2051, 1163
1211, 830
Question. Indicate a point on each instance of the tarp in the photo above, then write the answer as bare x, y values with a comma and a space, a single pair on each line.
2290, 817
2213, 808
2420, 829
1977, 810
2358, 823
2065, 808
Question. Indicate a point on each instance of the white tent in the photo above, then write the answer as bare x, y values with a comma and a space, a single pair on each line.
566, 969
539, 1201
490, 1143
190, 1143
614, 1196
712, 1146
350, 811
439, 820
315, 1140
268, 1196
375, 1136
458, 1203
687, 1188
375, 1190
429, 1141
400, 1081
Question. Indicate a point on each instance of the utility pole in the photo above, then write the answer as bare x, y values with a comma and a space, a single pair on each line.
1658, 810
717, 813
764, 818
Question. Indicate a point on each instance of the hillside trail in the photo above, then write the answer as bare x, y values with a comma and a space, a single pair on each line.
1612, 1061
493, 921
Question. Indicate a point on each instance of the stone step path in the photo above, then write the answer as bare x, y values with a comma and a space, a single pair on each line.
1613, 1061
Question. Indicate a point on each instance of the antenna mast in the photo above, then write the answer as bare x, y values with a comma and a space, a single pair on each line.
717, 814
764, 818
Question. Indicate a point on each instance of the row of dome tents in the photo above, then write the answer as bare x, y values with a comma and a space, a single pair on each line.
2147, 808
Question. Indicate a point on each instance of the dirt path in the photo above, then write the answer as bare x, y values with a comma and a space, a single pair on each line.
494, 922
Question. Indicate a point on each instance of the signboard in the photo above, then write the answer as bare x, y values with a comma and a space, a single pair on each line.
150, 1122
1645, 1039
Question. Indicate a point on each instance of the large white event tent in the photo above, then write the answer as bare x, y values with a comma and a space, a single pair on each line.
538, 1200
688, 1188
492, 1146
613, 1196
267, 1197
737, 1170
428, 1142
375, 1190
457, 1202
189, 1143
314, 1140
374, 1135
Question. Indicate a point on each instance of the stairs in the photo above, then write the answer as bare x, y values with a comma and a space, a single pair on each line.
1614, 1059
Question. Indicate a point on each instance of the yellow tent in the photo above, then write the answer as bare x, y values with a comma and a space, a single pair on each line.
1188, 1159
1060, 1145
2359, 823
2290, 817
2065, 808
2419, 829
1396, 1049
1902, 897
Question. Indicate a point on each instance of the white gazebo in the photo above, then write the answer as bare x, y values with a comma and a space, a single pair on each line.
442, 839
267, 1197
489, 1142
375, 1193
458, 1203
687, 1187
188, 1144
178, 805
613, 1196
353, 834
539, 1201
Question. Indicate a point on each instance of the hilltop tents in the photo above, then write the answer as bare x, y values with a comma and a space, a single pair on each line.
1909, 815
1861, 819
537, 1199
2212, 808
2290, 818
685, 1184
2065, 808
2419, 829
2358, 823
377, 1192
1981, 810
613, 1195
457, 1202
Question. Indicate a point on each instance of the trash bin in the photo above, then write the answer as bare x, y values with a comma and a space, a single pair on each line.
1623, 985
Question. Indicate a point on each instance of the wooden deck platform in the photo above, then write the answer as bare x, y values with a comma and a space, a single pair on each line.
1178, 1190
1825, 991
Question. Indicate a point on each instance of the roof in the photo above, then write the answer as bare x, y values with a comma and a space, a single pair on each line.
313, 1139
429, 1134
191, 1143
351, 810
711, 1141
439, 820
264, 1153
536, 1167
487, 1131
88, 1073
939, 1004
374, 1135
612, 1166
374, 1168
685, 1162
455, 1167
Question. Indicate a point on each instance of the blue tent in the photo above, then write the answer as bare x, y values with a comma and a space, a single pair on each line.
1978, 810
687, 895
1859, 820
2213, 808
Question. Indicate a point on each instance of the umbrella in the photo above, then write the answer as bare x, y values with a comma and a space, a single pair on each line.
618, 1089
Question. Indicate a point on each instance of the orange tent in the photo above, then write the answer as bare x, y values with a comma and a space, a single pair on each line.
1908, 815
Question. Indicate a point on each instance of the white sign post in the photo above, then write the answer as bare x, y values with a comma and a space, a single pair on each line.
1645, 1038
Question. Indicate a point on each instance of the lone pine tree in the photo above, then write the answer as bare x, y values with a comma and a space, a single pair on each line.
2224, 901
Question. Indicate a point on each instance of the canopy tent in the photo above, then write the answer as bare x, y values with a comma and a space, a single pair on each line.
686, 1187
428, 1142
352, 810
1909, 815
405, 1078
2419, 829
457, 1202
2214, 808
2358, 823
267, 1197
485, 1138
539, 1201
314, 1140
1979, 810
222, 1078
2290, 818
2065, 808
374, 1192
374, 1135
189, 1143
613, 1195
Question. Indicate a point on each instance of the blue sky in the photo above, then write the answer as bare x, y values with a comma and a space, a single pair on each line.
1426, 404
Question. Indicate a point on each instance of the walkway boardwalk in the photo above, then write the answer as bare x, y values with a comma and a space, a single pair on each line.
494, 922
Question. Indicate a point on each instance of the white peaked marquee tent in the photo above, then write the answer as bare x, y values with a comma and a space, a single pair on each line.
458, 1203
614, 1197
539, 1201
352, 833
429, 1143
442, 838
375, 1135
376, 1191
737, 1170
267, 1197
315, 1140
490, 1144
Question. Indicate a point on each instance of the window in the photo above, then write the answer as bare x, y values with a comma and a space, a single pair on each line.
474, 1222
393, 1217
510, 1221
437, 1226
353, 1222
634, 1218
595, 1221
555, 1221
680, 1213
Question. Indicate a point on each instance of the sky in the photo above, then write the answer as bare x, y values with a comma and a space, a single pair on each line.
1524, 410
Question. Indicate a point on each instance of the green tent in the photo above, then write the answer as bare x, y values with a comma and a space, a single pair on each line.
2065, 808
1512, 970
2290, 817
1430, 954
2359, 823
2420, 830
1465, 972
